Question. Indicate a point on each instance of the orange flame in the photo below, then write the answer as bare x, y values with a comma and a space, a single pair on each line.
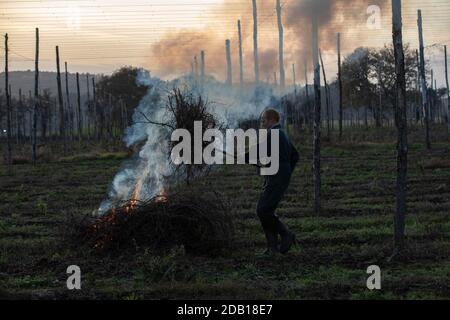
134, 197
163, 197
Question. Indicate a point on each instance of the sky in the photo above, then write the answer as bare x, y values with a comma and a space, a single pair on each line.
99, 36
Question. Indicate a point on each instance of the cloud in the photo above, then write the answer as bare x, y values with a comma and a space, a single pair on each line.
175, 52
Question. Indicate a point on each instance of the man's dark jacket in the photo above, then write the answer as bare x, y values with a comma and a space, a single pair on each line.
276, 185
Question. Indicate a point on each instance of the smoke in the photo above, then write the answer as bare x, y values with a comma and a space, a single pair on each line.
150, 172
144, 173
175, 51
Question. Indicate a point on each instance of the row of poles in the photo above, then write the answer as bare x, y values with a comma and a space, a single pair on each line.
401, 106
67, 117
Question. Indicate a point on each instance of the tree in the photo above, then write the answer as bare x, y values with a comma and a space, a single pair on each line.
122, 86
389, 76
359, 89
362, 76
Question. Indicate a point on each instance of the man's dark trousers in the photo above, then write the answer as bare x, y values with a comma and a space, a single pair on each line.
275, 186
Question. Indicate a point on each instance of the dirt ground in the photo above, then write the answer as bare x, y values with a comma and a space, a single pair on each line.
354, 231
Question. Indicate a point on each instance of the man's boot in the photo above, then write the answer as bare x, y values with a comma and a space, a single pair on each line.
287, 237
272, 241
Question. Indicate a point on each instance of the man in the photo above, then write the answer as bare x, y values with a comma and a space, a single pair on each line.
275, 186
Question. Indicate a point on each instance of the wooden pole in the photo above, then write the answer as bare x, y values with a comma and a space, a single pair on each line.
79, 108
296, 109
327, 100
317, 115
20, 127
341, 107
62, 129
36, 100
11, 114
417, 96
98, 126
229, 71
402, 143
448, 93
431, 98
280, 46
241, 60
196, 69
294, 82
424, 83
88, 113
307, 106
255, 41
202, 69
69, 107
8, 106
380, 93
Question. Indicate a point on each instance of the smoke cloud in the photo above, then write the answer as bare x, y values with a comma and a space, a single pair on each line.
150, 171
175, 52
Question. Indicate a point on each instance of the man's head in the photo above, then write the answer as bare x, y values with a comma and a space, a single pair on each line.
269, 118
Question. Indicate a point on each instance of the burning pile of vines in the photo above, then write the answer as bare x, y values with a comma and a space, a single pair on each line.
200, 221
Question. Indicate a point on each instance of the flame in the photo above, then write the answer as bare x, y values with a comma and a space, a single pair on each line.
163, 197
134, 197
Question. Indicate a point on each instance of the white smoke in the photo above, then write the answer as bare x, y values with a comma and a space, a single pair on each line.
151, 166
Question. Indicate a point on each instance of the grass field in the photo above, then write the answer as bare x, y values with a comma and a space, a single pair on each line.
354, 231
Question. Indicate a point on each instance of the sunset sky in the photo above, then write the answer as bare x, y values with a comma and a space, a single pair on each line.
99, 36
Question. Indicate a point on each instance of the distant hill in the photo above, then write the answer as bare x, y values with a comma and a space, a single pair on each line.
47, 80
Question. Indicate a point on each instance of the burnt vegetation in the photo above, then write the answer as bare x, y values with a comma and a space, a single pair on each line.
201, 222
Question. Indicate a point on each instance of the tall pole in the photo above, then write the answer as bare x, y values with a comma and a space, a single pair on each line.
196, 69
341, 106
402, 143
280, 46
317, 115
36, 100
307, 107
327, 100
8, 104
424, 82
62, 131
380, 93
255, 41
417, 98
79, 107
294, 80
448, 93
97, 117
229, 72
431, 98
241, 60
88, 106
20, 126
202, 69
69, 107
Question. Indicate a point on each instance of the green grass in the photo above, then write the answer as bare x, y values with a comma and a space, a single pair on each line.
355, 230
